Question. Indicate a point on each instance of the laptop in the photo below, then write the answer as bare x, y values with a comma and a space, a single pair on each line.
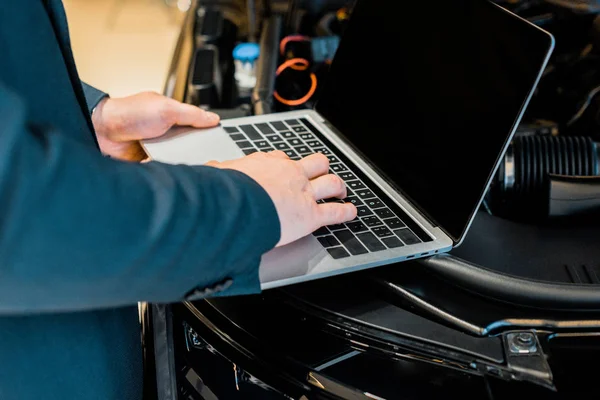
418, 108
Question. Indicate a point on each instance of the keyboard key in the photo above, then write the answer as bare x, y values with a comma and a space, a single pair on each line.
321, 231
384, 212
354, 200
280, 126
306, 136
281, 146
292, 122
382, 231
262, 144
288, 135
299, 129
407, 236
350, 242
296, 142
314, 143
265, 128
328, 241
338, 252
237, 137
249, 151
291, 154
363, 211
372, 221
347, 176
244, 144
231, 129
339, 168
267, 149
365, 194
303, 150
356, 226
394, 223
374, 203
274, 138
336, 227
392, 242
354, 184
323, 151
251, 132
334, 200
369, 240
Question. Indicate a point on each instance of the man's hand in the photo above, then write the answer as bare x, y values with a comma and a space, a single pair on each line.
121, 122
294, 187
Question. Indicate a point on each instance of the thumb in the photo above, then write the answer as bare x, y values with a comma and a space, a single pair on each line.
189, 115
212, 163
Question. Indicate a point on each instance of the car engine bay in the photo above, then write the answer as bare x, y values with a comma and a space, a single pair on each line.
513, 310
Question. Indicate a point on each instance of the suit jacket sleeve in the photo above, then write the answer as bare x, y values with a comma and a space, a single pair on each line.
80, 231
92, 95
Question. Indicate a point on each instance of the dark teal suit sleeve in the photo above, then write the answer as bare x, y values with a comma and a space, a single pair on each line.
92, 95
80, 231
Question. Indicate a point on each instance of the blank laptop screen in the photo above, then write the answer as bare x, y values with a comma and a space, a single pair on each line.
429, 92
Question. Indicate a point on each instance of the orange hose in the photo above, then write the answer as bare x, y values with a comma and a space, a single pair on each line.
293, 64
291, 38
299, 64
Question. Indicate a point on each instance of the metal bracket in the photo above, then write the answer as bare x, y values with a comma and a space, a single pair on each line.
526, 360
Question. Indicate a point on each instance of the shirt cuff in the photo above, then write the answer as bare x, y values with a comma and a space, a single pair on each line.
93, 96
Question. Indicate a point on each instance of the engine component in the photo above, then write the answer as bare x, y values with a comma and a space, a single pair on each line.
204, 81
323, 48
521, 187
244, 59
585, 6
262, 95
573, 196
209, 25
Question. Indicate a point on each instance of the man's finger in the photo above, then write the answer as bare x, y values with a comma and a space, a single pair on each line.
336, 213
314, 165
189, 115
327, 186
278, 154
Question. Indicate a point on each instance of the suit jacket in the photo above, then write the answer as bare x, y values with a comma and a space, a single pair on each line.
83, 238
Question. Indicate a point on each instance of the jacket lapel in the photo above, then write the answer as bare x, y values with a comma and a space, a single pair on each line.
57, 15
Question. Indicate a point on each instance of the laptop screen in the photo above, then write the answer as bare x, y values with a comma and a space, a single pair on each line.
429, 92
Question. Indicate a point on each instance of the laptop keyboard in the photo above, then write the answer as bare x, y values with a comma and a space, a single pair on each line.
377, 226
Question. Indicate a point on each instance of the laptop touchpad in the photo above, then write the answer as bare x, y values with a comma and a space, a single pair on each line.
193, 146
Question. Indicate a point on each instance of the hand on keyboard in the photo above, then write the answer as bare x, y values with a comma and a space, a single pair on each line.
294, 187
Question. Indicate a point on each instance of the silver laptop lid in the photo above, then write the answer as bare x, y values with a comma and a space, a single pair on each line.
430, 93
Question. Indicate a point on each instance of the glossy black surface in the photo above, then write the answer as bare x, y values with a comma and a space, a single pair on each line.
384, 313
553, 251
460, 67
297, 358
281, 344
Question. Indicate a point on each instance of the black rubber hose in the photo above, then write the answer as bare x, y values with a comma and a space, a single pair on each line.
536, 158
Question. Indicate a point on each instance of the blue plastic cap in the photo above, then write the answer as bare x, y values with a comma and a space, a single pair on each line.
246, 52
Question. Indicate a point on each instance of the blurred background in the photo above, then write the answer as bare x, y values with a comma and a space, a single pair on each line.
124, 46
